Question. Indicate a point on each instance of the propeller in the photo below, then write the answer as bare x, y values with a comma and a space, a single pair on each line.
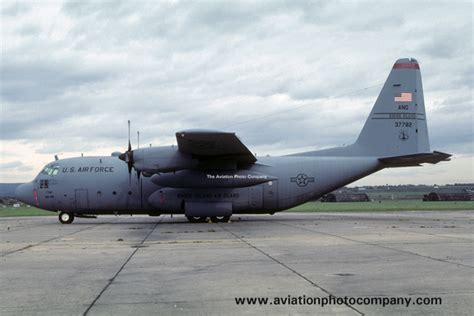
128, 155
138, 146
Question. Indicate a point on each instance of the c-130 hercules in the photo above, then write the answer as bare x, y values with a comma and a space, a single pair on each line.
212, 174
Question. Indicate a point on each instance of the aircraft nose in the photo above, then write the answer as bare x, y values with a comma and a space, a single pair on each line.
24, 193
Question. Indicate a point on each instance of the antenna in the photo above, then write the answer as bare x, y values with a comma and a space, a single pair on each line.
138, 139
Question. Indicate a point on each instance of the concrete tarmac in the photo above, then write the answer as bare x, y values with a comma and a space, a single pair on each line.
161, 265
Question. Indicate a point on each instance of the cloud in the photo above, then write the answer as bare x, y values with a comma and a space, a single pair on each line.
285, 75
15, 165
14, 8
38, 80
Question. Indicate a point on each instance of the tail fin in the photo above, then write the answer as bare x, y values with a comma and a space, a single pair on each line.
397, 124
395, 131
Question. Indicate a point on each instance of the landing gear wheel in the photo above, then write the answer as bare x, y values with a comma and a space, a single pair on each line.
220, 219
197, 219
66, 218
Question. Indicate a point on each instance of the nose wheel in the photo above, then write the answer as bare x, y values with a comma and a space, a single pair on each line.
66, 218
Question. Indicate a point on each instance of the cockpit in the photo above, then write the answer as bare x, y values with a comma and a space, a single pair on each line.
50, 170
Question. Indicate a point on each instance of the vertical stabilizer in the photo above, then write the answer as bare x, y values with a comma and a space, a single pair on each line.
396, 125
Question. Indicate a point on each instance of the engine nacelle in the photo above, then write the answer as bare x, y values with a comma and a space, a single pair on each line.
161, 159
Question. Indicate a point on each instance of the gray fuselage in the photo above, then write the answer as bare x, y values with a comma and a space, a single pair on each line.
102, 185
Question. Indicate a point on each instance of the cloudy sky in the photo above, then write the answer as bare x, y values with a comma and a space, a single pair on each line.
286, 76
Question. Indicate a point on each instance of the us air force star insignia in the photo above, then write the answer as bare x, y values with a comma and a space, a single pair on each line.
302, 180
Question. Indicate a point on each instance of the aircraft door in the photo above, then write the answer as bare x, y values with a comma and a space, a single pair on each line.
255, 197
270, 195
82, 199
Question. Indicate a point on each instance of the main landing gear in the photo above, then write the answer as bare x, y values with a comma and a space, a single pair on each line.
220, 219
66, 218
203, 219
197, 219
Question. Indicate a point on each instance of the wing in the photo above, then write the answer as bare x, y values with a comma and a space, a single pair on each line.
214, 145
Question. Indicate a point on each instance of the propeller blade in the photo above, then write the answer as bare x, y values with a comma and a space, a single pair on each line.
129, 143
128, 156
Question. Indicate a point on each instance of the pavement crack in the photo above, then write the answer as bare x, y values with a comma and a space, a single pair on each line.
110, 281
22, 228
288, 268
48, 240
377, 245
435, 235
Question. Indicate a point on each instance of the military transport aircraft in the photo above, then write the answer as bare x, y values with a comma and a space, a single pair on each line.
212, 174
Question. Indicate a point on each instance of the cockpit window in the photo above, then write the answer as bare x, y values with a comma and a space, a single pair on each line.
50, 170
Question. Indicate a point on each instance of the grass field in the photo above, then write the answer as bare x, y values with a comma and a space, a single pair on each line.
383, 206
23, 211
387, 205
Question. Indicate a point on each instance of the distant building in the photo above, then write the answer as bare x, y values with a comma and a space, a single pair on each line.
438, 196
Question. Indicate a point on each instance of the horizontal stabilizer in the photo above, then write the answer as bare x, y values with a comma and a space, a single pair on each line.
415, 159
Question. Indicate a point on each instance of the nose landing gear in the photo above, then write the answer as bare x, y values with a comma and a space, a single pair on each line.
66, 218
